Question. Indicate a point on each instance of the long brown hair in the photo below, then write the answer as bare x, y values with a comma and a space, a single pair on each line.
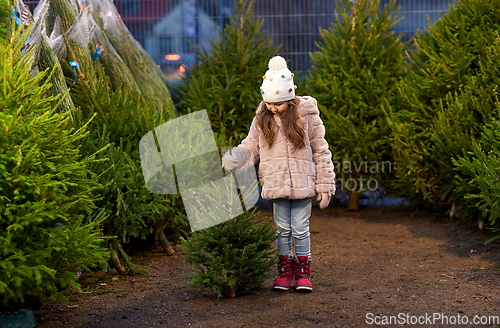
291, 123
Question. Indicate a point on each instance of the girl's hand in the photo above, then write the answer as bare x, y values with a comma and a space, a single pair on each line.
324, 200
236, 158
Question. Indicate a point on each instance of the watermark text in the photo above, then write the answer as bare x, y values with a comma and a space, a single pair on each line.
430, 319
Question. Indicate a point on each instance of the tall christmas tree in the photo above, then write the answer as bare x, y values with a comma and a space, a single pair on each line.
466, 129
427, 133
355, 72
225, 80
49, 224
482, 169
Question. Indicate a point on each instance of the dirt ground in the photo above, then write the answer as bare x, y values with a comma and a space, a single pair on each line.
397, 265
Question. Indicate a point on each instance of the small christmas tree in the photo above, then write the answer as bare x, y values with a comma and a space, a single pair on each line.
232, 258
225, 80
49, 224
354, 74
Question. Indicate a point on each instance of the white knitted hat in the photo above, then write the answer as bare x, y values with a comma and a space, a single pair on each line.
278, 82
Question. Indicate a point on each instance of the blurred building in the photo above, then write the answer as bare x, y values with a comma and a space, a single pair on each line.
173, 39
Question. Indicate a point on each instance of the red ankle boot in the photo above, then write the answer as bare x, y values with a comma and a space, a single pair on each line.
285, 274
302, 273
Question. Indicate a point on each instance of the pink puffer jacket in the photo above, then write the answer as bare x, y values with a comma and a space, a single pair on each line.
284, 173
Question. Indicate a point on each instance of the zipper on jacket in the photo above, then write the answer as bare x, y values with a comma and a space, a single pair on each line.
288, 165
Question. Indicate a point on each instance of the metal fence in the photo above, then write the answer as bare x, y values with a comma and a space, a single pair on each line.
164, 26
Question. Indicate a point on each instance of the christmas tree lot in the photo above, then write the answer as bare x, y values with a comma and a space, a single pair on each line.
354, 73
109, 211
79, 93
71, 53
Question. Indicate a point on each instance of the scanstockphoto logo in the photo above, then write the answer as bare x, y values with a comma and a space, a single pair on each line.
435, 319
189, 156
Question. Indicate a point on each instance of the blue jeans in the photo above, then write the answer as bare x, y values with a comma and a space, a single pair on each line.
292, 220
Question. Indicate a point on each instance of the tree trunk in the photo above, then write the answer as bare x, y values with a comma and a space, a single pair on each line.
454, 210
353, 203
116, 262
165, 244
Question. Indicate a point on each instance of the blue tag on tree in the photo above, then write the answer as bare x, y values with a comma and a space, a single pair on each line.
97, 53
15, 14
75, 65
27, 43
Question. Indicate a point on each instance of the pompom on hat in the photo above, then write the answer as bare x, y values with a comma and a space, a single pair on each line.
278, 82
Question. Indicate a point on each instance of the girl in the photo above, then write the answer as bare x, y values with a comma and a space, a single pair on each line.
287, 136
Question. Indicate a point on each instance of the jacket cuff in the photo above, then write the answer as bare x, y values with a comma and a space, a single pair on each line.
326, 189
